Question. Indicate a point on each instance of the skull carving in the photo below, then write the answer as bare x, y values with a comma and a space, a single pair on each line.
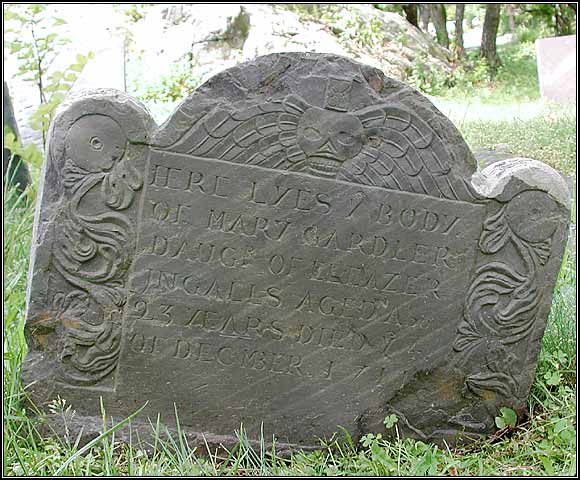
328, 139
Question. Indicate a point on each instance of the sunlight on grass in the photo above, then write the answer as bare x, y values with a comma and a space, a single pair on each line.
550, 137
515, 82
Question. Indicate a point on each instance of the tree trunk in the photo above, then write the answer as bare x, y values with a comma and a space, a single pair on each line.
563, 24
488, 38
459, 13
511, 17
558, 20
424, 16
439, 16
412, 13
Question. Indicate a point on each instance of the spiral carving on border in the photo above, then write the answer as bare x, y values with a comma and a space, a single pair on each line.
93, 249
503, 300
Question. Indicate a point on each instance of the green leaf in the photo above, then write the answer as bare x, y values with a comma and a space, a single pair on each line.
36, 8
553, 378
56, 99
568, 435
75, 67
43, 109
508, 418
9, 139
561, 425
367, 440
562, 357
13, 16
56, 76
27, 53
63, 87
36, 125
15, 47
390, 421
548, 466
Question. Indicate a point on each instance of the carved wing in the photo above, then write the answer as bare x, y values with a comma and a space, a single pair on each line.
403, 152
263, 134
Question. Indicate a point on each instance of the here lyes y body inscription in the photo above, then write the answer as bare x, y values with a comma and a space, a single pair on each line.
275, 275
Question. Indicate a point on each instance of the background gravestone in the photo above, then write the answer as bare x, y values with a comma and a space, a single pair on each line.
14, 170
305, 243
557, 68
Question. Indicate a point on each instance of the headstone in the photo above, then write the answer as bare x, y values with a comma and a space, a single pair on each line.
14, 170
305, 244
557, 68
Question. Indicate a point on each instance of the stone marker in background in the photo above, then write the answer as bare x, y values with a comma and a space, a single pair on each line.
557, 68
306, 243
14, 170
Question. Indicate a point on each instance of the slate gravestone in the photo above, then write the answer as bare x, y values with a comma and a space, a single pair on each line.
305, 243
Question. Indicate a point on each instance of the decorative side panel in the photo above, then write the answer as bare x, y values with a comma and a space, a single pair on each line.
505, 308
84, 236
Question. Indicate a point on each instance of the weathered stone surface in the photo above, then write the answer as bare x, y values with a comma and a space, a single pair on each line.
305, 243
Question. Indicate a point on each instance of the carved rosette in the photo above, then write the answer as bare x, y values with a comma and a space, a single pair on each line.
101, 175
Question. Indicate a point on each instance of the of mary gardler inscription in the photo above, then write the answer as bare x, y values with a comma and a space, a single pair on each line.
304, 243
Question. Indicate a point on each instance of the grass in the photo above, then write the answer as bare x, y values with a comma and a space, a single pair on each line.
516, 80
550, 137
508, 111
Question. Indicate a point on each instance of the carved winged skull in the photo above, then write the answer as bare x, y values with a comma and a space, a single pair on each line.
385, 145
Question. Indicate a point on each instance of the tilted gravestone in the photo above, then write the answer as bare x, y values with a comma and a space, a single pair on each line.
14, 169
304, 244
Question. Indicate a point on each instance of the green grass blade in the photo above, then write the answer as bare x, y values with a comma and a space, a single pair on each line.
95, 441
